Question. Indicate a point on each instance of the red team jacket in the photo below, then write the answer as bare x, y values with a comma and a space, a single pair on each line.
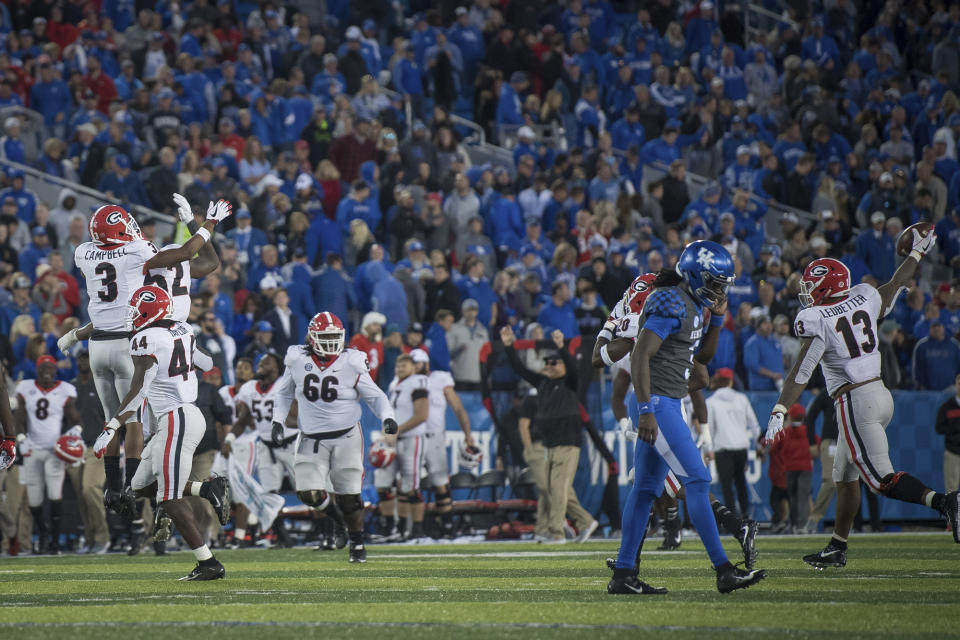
374, 351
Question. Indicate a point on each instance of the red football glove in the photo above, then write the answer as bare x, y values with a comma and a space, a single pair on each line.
613, 468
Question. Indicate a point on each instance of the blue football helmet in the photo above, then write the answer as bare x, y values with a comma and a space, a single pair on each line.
707, 268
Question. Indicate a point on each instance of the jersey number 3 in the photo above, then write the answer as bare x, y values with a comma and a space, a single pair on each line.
109, 273
846, 330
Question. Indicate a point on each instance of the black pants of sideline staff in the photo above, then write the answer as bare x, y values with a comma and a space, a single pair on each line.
732, 471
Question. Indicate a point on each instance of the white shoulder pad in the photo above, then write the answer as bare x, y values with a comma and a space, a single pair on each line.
807, 324
357, 360
294, 351
629, 326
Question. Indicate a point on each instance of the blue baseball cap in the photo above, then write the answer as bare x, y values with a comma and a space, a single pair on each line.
39, 231
369, 25
263, 325
218, 162
122, 161
14, 173
415, 246
672, 123
243, 213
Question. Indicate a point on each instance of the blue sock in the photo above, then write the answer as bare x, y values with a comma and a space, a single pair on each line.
701, 514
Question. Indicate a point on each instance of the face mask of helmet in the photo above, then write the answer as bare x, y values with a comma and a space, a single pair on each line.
714, 289
327, 344
806, 289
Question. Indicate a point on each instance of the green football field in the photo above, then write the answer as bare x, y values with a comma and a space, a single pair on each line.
893, 586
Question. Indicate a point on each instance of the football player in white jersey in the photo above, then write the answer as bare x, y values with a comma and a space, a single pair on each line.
328, 382
162, 353
44, 406
442, 394
114, 265
838, 329
409, 394
255, 402
238, 438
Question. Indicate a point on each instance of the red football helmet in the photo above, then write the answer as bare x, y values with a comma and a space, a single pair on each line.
147, 305
469, 457
823, 279
380, 454
326, 334
8, 453
111, 225
69, 448
636, 294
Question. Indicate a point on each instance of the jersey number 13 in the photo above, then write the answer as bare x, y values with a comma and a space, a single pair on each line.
866, 329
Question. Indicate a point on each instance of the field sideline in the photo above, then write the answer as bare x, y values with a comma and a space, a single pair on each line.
894, 586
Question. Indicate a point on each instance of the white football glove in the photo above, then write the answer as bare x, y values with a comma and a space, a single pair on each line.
922, 244
705, 441
75, 430
184, 210
778, 384
627, 428
629, 326
774, 424
105, 437
67, 341
26, 447
219, 211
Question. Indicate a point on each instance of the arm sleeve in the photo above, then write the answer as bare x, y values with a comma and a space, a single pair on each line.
137, 401
201, 359
810, 420
374, 396
285, 392
533, 378
809, 364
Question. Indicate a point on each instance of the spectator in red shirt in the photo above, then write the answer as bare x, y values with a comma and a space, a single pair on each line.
370, 341
352, 149
100, 83
232, 143
794, 449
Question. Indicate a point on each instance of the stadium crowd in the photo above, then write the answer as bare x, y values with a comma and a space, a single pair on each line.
297, 112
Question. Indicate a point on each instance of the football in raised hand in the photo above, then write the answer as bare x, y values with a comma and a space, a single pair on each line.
905, 241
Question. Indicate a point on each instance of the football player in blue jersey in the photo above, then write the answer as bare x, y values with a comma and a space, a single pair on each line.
671, 338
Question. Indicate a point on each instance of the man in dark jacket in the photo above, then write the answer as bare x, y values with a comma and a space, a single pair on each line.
160, 182
441, 292
558, 417
948, 425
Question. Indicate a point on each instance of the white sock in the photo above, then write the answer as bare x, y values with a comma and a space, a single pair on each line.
928, 499
252, 520
239, 534
202, 553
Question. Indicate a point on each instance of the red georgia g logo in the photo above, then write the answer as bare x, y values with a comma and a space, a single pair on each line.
114, 217
148, 296
640, 286
819, 271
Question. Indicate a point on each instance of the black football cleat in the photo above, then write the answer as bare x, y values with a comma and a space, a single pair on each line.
340, 537
207, 570
748, 542
951, 512
358, 553
672, 535
137, 534
327, 544
123, 503
161, 526
217, 491
631, 585
734, 578
831, 556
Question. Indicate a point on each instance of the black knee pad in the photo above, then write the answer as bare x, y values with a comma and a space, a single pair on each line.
316, 498
386, 494
414, 497
349, 503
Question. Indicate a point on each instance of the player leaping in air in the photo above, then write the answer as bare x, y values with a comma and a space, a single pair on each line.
838, 329
671, 331
116, 263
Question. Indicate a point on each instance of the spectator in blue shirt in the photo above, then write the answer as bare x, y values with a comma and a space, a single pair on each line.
51, 97
668, 146
876, 248
559, 313
358, 204
936, 359
19, 305
123, 183
627, 130
389, 298
474, 285
436, 340
333, 289
36, 253
11, 146
509, 105
763, 358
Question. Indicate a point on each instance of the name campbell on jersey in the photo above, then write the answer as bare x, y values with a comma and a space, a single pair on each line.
171, 348
44, 409
849, 331
112, 275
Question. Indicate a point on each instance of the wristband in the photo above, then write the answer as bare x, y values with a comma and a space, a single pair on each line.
21, 437
779, 408
644, 407
229, 438
916, 255
605, 356
716, 320
203, 233
606, 334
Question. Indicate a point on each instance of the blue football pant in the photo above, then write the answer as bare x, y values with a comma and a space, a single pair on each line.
674, 450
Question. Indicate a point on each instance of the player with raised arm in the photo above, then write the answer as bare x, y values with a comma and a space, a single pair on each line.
114, 265
328, 383
442, 394
838, 329
161, 350
671, 331
44, 406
